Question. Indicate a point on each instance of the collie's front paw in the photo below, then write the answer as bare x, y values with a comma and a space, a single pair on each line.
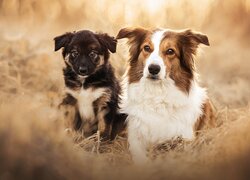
138, 152
140, 159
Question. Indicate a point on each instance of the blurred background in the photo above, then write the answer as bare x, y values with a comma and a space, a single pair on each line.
28, 27
31, 81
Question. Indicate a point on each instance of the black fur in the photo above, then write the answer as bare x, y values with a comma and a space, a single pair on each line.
96, 76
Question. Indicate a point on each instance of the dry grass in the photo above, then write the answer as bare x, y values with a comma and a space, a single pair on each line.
33, 140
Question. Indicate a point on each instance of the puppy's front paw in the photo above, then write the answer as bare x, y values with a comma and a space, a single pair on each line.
104, 135
104, 130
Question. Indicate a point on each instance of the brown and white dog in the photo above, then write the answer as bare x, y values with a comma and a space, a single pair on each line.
164, 99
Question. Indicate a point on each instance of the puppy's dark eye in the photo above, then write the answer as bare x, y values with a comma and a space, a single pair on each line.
170, 52
92, 54
74, 54
147, 48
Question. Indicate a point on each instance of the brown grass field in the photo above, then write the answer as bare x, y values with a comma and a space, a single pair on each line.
33, 140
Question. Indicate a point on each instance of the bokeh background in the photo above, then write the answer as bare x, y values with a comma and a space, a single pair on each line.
33, 142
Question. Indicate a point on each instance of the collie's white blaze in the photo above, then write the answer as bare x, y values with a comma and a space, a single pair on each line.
155, 57
85, 99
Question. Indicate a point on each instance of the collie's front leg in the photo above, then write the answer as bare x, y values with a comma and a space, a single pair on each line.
137, 147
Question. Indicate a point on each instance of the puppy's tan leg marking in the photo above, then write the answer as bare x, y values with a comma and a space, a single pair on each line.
101, 110
103, 127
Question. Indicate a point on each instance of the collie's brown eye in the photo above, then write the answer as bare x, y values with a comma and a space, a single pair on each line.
74, 54
170, 52
147, 48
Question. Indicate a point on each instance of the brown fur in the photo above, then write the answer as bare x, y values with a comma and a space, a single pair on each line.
181, 65
182, 75
136, 36
207, 120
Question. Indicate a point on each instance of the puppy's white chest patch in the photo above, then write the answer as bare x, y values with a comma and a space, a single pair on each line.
85, 99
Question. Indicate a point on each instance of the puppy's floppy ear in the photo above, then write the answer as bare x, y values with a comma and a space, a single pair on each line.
197, 37
62, 40
107, 41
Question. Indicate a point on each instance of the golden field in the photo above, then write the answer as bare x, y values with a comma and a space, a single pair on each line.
33, 140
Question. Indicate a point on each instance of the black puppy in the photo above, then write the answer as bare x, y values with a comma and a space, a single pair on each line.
91, 86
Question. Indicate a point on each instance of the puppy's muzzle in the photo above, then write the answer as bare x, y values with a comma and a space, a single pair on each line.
83, 71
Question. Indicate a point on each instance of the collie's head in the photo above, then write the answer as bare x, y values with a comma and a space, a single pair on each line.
160, 54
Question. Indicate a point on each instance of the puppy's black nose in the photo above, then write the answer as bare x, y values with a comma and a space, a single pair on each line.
154, 69
83, 70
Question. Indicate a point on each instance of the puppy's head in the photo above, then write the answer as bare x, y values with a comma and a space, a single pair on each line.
85, 51
160, 54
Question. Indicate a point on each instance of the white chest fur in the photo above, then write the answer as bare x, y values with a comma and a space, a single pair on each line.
160, 111
85, 99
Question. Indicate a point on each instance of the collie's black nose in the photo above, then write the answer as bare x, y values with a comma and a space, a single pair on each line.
154, 69
83, 70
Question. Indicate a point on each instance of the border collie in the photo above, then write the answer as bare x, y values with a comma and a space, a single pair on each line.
164, 99
91, 86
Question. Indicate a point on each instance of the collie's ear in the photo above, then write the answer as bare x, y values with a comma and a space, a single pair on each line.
130, 33
135, 37
189, 42
107, 41
124, 33
62, 40
197, 37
